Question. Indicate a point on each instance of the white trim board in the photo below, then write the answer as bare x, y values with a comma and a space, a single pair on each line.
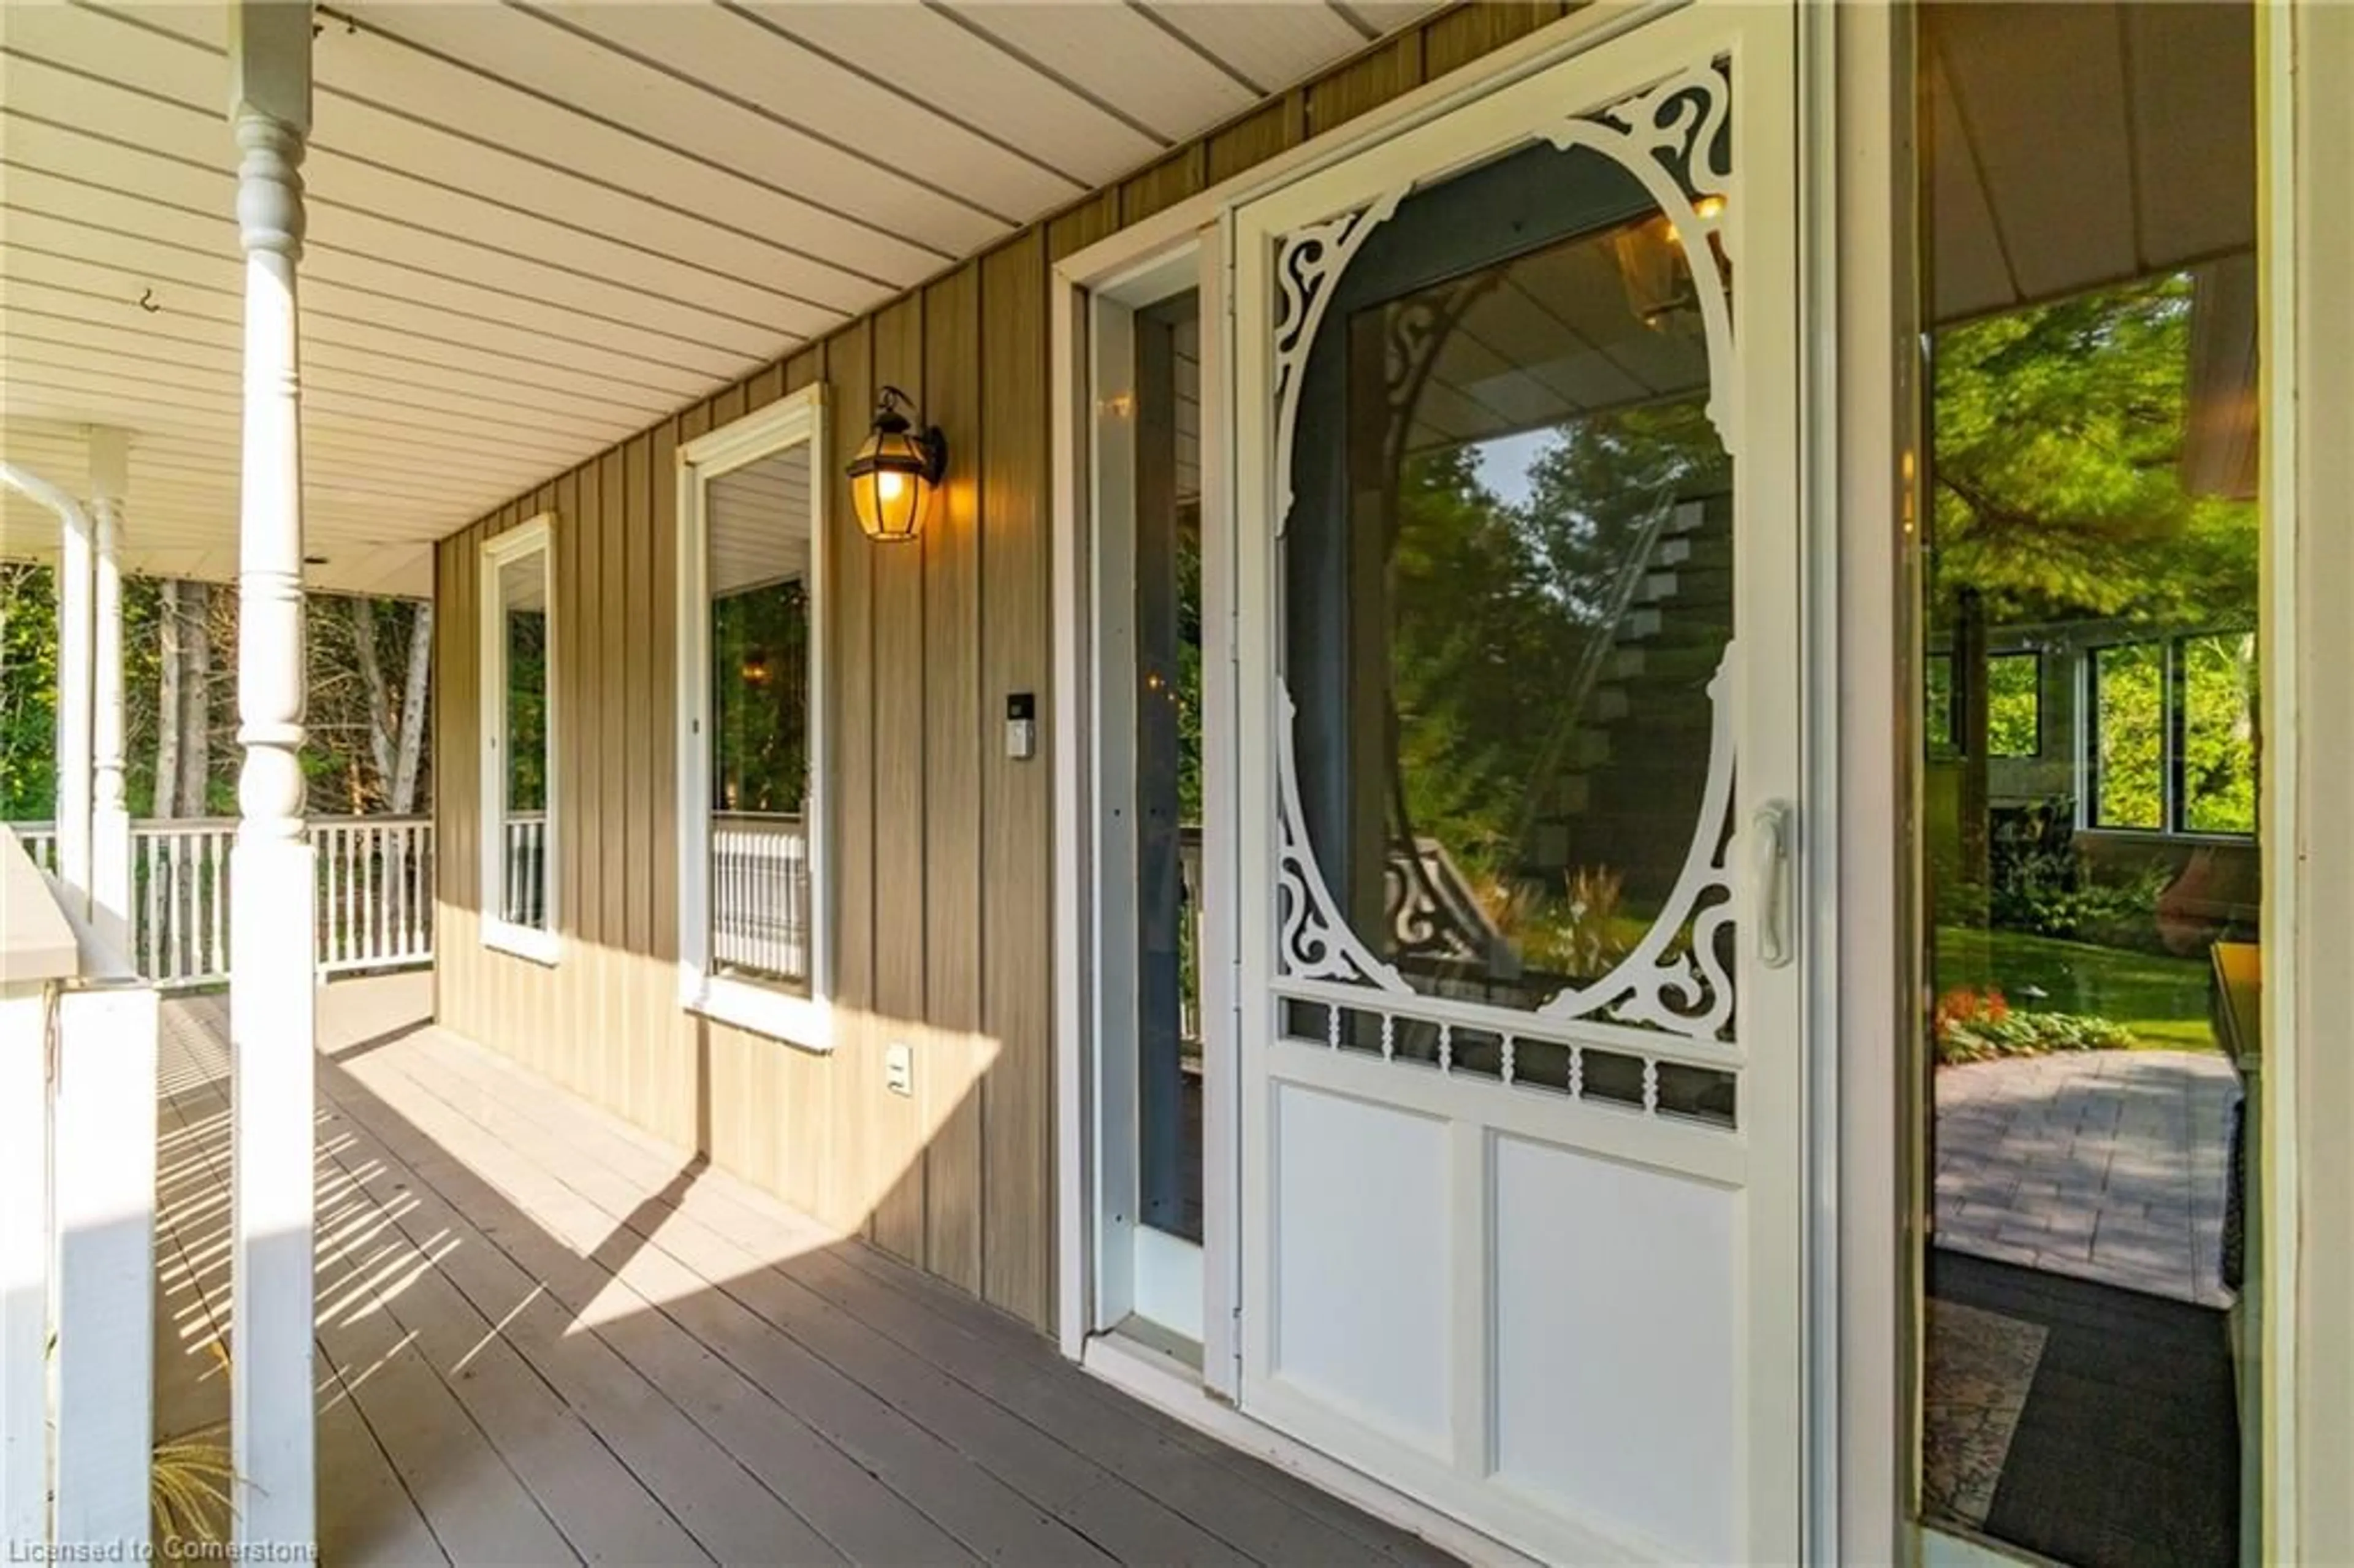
542, 944
1172, 1387
799, 419
2307, 139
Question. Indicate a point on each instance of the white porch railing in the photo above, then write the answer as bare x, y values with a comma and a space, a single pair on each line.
761, 894
526, 896
77, 1230
373, 907
376, 892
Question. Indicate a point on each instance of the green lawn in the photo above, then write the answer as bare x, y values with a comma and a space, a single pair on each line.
2163, 1000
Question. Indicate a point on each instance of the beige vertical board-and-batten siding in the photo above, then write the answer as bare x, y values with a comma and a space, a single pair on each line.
941, 844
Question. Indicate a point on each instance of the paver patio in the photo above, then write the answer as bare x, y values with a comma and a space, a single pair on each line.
2106, 1165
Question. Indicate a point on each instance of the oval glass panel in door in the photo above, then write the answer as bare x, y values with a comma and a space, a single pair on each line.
1508, 595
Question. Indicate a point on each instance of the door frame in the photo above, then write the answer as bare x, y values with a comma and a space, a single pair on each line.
1122, 257
1098, 715
1856, 1383
1863, 234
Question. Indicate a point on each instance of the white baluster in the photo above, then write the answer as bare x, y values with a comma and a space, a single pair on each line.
331, 858
353, 915
149, 860
182, 907
170, 870
372, 901
427, 869
721, 937
389, 853
220, 855
181, 860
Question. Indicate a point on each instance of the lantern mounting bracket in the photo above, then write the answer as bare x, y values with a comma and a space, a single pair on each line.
890, 414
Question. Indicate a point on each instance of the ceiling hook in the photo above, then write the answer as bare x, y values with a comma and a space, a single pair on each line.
147, 301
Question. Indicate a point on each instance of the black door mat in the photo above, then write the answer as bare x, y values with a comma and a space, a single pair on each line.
2127, 1452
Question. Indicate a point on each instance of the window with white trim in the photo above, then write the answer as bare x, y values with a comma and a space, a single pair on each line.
519, 775
753, 943
2172, 746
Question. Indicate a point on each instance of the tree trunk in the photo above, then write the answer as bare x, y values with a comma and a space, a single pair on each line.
194, 796
168, 701
1970, 698
379, 700
414, 697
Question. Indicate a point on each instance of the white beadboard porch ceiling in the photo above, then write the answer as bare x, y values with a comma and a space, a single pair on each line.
538, 227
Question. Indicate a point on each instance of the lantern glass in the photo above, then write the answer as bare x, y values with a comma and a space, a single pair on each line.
887, 490
894, 476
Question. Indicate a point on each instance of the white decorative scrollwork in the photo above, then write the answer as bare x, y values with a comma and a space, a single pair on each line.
1671, 137
1307, 268
1313, 939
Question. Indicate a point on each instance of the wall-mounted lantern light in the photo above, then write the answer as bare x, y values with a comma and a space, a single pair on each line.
894, 474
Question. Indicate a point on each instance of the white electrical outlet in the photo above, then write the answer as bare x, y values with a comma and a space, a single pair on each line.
899, 1068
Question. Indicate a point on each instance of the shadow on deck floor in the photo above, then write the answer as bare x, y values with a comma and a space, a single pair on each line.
543, 1337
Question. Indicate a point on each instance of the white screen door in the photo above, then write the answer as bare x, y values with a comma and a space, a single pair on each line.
1519, 656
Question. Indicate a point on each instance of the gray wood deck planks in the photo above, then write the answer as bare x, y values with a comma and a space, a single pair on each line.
1258, 1509
547, 1337
1121, 1520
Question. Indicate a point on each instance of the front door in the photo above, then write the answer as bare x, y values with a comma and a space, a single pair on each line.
1519, 654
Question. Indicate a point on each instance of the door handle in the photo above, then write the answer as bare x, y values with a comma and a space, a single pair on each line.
1769, 850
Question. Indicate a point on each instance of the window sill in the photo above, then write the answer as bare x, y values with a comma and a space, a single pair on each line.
523, 941
804, 1022
2168, 835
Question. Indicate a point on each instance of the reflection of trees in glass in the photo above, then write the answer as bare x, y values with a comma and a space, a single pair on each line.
2129, 711
759, 699
1938, 675
2219, 701
2059, 436
526, 661
1188, 695
1493, 604
2014, 704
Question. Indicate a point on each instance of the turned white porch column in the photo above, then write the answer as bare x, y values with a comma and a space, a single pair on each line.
75, 589
109, 850
271, 937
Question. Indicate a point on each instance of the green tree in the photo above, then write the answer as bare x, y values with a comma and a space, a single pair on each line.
2059, 441
1495, 604
28, 684
760, 698
2219, 719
